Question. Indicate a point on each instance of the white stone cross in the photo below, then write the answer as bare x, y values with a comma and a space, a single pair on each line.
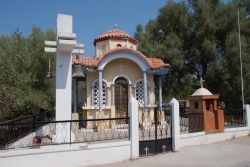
163, 148
64, 47
146, 150
201, 82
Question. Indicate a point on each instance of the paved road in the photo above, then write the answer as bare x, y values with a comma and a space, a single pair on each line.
233, 153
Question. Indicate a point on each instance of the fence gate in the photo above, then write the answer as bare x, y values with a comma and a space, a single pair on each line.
155, 131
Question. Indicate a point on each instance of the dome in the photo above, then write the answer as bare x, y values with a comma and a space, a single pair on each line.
115, 34
202, 92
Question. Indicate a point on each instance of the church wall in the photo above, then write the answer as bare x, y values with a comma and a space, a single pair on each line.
99, 47
119, 67
112, 44
89, 80
122, 67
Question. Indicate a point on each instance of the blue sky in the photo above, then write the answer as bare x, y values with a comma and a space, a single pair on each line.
90, 17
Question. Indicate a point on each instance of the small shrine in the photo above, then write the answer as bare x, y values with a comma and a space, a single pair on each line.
202, 100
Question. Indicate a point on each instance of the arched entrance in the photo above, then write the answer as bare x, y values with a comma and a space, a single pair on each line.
121, 97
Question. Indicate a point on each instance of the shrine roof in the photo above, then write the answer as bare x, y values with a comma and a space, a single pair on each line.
115, 34
202, 92
154, 63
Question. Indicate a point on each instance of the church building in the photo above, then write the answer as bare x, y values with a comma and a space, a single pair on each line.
117, 72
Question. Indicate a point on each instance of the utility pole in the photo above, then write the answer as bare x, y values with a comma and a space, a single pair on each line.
241, 71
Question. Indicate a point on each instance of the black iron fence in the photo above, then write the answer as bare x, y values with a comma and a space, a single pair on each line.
62, 132
190, 121
234, 118
155, 124
155, 131
14, 132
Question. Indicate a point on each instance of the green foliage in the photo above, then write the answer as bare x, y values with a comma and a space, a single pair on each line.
24, 88
199, 39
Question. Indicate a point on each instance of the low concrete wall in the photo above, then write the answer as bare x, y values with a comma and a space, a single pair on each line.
199, 138
67, 155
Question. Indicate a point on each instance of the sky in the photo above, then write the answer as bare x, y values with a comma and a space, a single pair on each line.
90, 17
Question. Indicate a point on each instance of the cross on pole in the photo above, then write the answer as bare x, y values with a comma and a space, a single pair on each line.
163, 148
146, 150
201, 81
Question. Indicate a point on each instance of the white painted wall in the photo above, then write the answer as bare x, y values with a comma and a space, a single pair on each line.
191, 139
67, 156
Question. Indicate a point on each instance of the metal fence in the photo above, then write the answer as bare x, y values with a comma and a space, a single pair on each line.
234, 118
62, 132
15, 133
191, 122
155, 125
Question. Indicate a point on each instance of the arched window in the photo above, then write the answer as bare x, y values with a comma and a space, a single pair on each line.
96, 93
139, 92
118, 45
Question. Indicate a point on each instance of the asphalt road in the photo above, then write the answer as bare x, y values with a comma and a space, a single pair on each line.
233, 153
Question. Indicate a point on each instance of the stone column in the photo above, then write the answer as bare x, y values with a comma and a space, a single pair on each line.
247, 115
100, 92
160, 93
175, 124
100, 115
145, 84
134, 128
113, 94
108, 100
64, 78
92, 95
130, 91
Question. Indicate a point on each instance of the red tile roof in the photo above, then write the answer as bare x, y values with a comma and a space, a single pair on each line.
115, 34
154, 63
86, 61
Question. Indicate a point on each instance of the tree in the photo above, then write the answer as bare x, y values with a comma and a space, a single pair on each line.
23, 65
199, 39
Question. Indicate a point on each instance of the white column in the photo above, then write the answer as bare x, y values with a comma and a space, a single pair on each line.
247, 115
108, 100
113, 94
134, 128
63, 73
130, 91
64, 79
175, 124
92, 96
100, 92
145, 91
160, 93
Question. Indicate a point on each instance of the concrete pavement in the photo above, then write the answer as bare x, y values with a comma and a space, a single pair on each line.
233, 153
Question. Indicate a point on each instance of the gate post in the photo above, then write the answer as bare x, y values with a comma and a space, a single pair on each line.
134, 128
175, 124
247, 115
